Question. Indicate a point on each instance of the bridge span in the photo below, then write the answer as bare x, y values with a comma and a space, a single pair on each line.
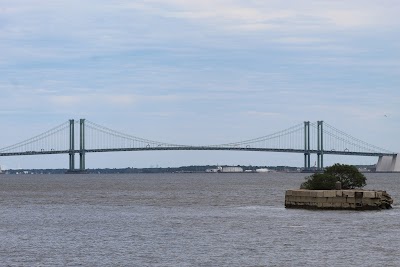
305, 138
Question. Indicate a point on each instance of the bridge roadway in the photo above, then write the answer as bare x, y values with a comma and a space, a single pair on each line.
201, 148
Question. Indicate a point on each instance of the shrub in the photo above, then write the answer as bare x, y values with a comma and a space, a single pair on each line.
348, 175
319, 181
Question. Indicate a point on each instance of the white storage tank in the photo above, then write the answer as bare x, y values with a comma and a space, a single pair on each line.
262, 170
232, 169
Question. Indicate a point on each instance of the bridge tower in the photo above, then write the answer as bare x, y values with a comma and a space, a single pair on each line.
320, 145
82, 167
307, 153
71, 145
72, 151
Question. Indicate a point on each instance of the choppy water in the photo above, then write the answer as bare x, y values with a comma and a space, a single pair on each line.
186, 220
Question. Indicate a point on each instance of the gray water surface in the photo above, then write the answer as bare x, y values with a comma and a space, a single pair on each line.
186, 220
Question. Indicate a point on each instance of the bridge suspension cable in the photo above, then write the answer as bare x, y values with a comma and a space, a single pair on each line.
292, 137
337, 140
55, 139
100, 137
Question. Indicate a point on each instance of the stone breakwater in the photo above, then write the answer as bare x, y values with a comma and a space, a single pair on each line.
338, 199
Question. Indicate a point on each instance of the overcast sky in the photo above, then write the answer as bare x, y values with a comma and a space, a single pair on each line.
199, 72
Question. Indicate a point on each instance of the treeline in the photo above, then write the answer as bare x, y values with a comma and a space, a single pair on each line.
183, 169
187, 169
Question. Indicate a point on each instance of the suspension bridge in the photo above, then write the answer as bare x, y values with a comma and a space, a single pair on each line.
305, 138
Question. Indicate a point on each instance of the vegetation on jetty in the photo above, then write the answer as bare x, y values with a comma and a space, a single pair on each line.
349, 177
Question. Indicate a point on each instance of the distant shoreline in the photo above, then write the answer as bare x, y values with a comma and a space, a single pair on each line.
182, 169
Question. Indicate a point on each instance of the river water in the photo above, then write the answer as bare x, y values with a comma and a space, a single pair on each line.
186, 220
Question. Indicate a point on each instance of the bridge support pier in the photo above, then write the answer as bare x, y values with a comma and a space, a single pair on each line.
388, 164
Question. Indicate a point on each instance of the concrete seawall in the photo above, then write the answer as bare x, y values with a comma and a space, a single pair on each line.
338, 199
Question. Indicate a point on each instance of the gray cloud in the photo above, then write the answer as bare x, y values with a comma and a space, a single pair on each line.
224, 65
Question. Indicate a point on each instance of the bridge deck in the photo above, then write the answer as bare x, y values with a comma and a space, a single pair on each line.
197, 148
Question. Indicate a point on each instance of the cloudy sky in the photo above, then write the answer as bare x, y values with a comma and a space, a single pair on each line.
199, 72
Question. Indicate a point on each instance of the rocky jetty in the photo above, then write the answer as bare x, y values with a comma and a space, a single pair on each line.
355, 199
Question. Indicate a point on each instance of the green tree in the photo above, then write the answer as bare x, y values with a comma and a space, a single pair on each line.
348, 175
319, 181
